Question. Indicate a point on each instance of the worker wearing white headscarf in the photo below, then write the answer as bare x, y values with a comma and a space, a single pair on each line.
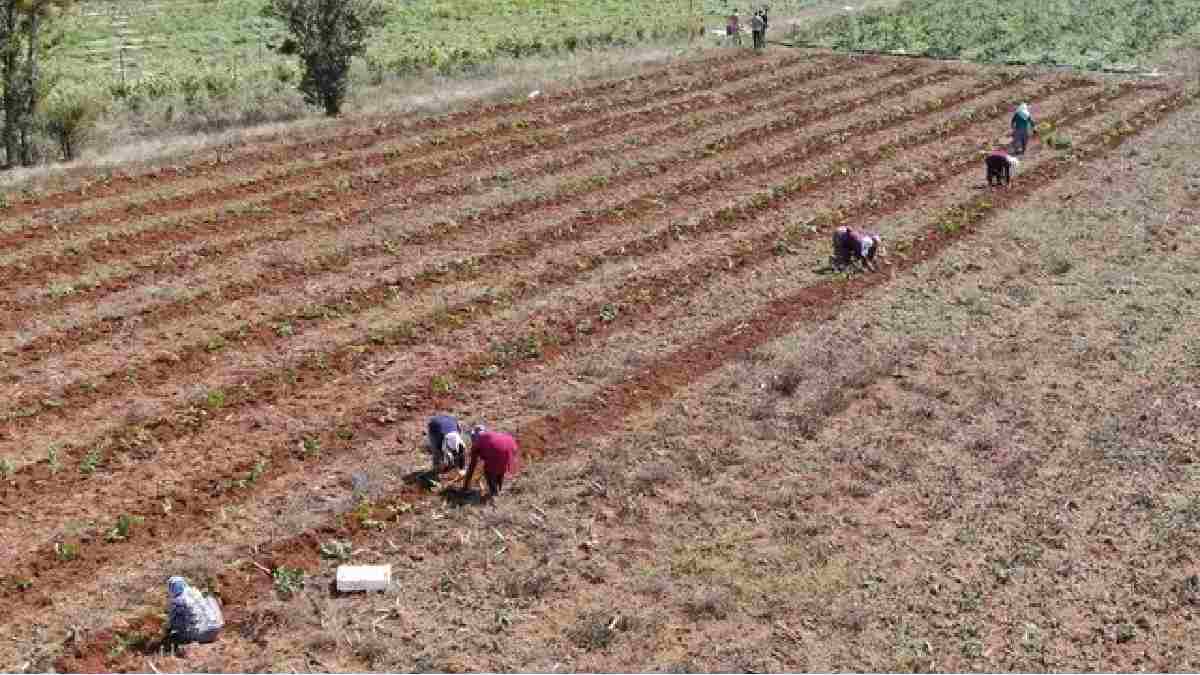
192, 617
1022, 126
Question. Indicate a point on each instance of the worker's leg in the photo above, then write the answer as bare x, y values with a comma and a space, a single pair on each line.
495, 484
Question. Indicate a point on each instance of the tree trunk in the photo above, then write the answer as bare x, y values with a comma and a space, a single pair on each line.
9, 64
31, 85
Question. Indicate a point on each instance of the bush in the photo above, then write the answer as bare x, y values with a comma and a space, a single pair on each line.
71, 116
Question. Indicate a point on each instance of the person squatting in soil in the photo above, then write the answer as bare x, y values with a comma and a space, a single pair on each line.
499, 454
851, 245
445, 443
1000, 167
1022, 126
192, 617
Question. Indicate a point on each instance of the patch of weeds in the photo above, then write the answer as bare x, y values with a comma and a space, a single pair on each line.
608, 313
489, 371
597, 630
214, 399
66, 551
288, 581
712, 603
1031, 638
311, 446
972, 644
336, 550
1059, 265
788, 381
532, 584
91, 461
125, 523
441, 384
364, 515
6, 468
52, 459
22, 584
57, 291
215, 344
285, 329
256, 472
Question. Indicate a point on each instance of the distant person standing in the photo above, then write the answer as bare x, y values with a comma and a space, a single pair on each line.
1022, 126
733, 29
498, 453
758, 27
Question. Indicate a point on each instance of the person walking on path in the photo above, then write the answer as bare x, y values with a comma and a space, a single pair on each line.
758, 27
1022, 126
192, 617
733, 29
850, 245
498, 453
446, 445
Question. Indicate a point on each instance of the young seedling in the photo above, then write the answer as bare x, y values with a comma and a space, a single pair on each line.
288, 581
90, 462
125, 523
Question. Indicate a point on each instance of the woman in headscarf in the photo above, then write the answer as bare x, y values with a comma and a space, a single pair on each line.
446, 445
850, 244
1022, 126
499, 455
192, 617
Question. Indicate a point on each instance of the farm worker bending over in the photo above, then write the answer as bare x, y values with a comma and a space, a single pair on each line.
1022, 126
446, 445
850, 244
1000, 167
192, 617
498, 452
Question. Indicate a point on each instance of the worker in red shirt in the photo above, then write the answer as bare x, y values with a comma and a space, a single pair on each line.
498, 452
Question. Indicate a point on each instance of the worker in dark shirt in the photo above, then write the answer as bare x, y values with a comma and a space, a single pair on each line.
498, 452
446, 446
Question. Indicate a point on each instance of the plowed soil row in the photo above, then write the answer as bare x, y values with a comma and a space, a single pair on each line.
264, 152
437, 153
359, 300
384, 192
38, 267
660, 380
641, 296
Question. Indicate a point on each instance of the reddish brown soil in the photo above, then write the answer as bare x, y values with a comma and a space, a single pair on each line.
134, 475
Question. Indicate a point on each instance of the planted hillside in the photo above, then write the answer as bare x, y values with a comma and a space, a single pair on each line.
1092, 34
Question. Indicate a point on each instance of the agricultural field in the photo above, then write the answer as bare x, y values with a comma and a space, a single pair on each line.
982, 457
201, 49
1092, 34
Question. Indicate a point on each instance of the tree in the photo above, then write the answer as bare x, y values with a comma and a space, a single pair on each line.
328, 34
22, 44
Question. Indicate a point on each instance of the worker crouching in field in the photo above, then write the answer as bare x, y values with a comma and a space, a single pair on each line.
192, 617
850, 245
1000, 167
498, 453
446, 445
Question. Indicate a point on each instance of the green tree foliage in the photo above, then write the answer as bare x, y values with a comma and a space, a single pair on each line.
327, 35
24, 41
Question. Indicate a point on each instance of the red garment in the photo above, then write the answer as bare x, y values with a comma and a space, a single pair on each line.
497, 451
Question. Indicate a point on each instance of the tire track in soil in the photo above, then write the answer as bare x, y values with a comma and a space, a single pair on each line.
282, 152
642, 295
262, 332
109, 247
662, 379
706, 89
21, 310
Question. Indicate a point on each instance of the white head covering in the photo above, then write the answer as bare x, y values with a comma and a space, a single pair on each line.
1023, 110
452, 442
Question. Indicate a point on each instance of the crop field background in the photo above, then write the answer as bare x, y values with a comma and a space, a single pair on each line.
1093, 34
979, 458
